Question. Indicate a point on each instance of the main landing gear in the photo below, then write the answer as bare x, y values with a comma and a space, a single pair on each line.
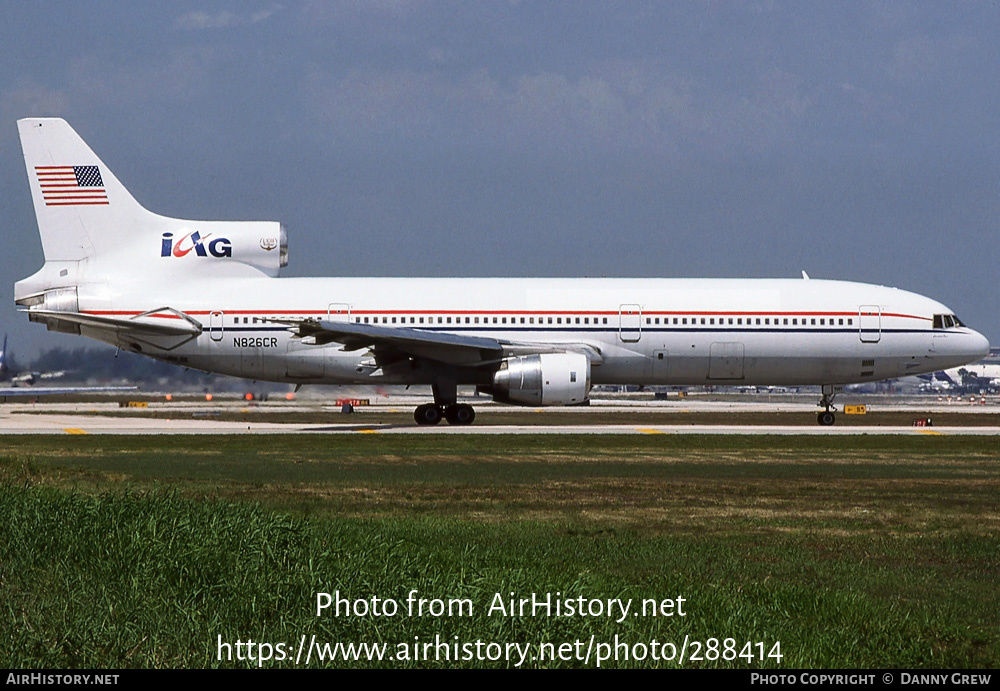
826, 417
455, 414
445, 406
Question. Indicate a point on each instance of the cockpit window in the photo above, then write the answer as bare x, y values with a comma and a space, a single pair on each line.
946, 321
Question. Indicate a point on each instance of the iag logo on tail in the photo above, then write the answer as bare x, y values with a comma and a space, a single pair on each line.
219, 247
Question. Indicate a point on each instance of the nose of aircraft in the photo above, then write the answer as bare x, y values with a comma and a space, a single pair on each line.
960, 347
973, 347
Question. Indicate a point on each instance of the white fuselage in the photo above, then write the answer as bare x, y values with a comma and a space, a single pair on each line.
647, 331
208, 295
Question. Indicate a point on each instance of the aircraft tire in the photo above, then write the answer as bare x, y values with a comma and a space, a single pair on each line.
427, 414
826, 418
460, 414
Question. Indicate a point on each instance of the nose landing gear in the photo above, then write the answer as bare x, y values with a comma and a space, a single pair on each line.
827, 417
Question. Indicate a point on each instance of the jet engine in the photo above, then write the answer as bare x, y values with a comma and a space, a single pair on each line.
546, 379
260, 244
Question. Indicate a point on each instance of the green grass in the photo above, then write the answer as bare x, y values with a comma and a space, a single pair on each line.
852, 552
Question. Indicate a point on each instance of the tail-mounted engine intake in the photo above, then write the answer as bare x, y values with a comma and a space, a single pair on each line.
546, 379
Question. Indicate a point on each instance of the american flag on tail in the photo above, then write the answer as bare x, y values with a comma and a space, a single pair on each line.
71, 185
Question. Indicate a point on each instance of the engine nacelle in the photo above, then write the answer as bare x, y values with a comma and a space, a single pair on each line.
546, 379
260, 244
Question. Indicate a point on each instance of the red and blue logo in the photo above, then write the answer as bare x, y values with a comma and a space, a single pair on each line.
194, 242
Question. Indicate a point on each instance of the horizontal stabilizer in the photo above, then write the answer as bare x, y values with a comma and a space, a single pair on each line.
162, 322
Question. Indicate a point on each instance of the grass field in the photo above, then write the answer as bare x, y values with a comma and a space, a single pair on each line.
848, 551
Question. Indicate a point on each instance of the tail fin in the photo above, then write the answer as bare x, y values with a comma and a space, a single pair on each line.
86, 218
80, 205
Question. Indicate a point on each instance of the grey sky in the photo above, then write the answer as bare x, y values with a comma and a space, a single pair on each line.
854, 140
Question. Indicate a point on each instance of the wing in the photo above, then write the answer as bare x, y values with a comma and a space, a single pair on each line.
393, 343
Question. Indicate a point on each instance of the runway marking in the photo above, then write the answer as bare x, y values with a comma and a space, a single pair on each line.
930, 431
74, 430
367, 431
650, 431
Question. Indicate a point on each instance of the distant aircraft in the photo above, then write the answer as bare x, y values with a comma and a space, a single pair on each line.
986, 374
206, 295
23, 378
24, 382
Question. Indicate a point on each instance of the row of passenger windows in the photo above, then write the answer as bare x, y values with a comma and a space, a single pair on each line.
485, 320
651, 321
586, 321
756, 321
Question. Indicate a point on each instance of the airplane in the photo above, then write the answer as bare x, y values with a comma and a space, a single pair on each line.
29, 378
986, 374
23, 383
208, 295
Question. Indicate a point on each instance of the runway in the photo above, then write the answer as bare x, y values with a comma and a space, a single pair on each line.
202, 419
